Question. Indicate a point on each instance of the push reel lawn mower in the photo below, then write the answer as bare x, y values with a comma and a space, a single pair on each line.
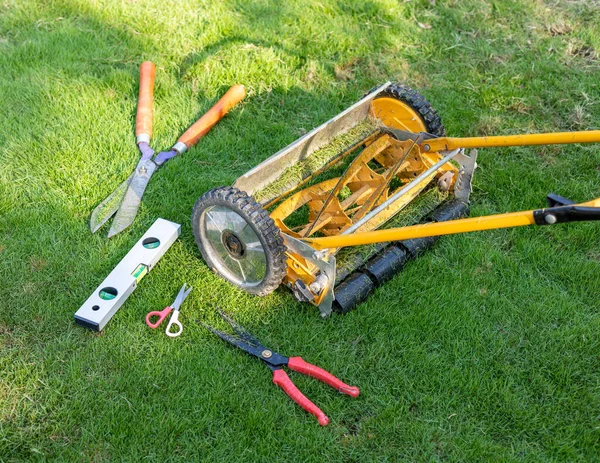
344, 208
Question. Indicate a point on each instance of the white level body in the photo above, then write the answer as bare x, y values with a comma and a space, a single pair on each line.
120, 283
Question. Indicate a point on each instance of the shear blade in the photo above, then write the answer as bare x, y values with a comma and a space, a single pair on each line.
107, 208
133, 196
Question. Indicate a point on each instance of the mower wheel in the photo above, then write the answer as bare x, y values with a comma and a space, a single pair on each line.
239, 240
413, 107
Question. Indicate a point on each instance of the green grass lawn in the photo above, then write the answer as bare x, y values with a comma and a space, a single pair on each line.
485, 349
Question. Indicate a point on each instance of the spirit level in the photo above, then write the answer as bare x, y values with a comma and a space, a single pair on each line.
120, 283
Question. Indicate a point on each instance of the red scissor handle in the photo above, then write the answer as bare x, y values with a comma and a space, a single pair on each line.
161, 316
281, 378
299, 365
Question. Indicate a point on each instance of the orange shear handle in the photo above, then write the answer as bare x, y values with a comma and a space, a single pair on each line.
143, 118
201, 127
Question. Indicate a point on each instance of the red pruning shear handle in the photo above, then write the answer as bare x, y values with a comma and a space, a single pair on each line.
281, 378
308, 369
276, 362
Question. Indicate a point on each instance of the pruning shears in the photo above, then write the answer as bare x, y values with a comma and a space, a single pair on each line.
275, 362
125, 200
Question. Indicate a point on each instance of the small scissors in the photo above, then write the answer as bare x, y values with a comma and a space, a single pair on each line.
183, 292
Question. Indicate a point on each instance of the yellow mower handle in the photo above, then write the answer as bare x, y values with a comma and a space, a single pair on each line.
555, 138
562, 213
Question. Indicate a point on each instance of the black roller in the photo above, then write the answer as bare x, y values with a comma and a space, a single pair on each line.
418, 246
386, 265
352, 292
357, 287
451, 210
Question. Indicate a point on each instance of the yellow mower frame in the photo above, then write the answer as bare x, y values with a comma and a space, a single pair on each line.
407, 159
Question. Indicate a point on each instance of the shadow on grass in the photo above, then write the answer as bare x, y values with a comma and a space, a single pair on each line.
72, 68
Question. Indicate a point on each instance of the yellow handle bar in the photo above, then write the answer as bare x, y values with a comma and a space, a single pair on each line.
556, 138
451, 227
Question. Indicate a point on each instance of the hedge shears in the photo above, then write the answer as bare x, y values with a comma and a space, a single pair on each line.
125, 200
275, 362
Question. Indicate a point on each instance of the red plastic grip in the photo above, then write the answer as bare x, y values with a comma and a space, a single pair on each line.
161, 316
299, 365
143, 118
281, 378
233, 96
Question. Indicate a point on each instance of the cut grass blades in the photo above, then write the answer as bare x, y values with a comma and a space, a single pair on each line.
302, 169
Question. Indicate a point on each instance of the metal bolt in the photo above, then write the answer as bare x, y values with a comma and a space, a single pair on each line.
550, 219
266, 353
319, 283
318, 255
426, 148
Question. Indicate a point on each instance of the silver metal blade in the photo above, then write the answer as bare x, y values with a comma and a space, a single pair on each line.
107, 208
133, 196
269, 170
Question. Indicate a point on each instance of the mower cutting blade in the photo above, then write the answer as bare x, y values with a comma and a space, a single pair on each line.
107, 208
133, 196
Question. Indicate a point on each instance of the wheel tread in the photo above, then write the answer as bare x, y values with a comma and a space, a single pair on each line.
416, 101
240, 201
